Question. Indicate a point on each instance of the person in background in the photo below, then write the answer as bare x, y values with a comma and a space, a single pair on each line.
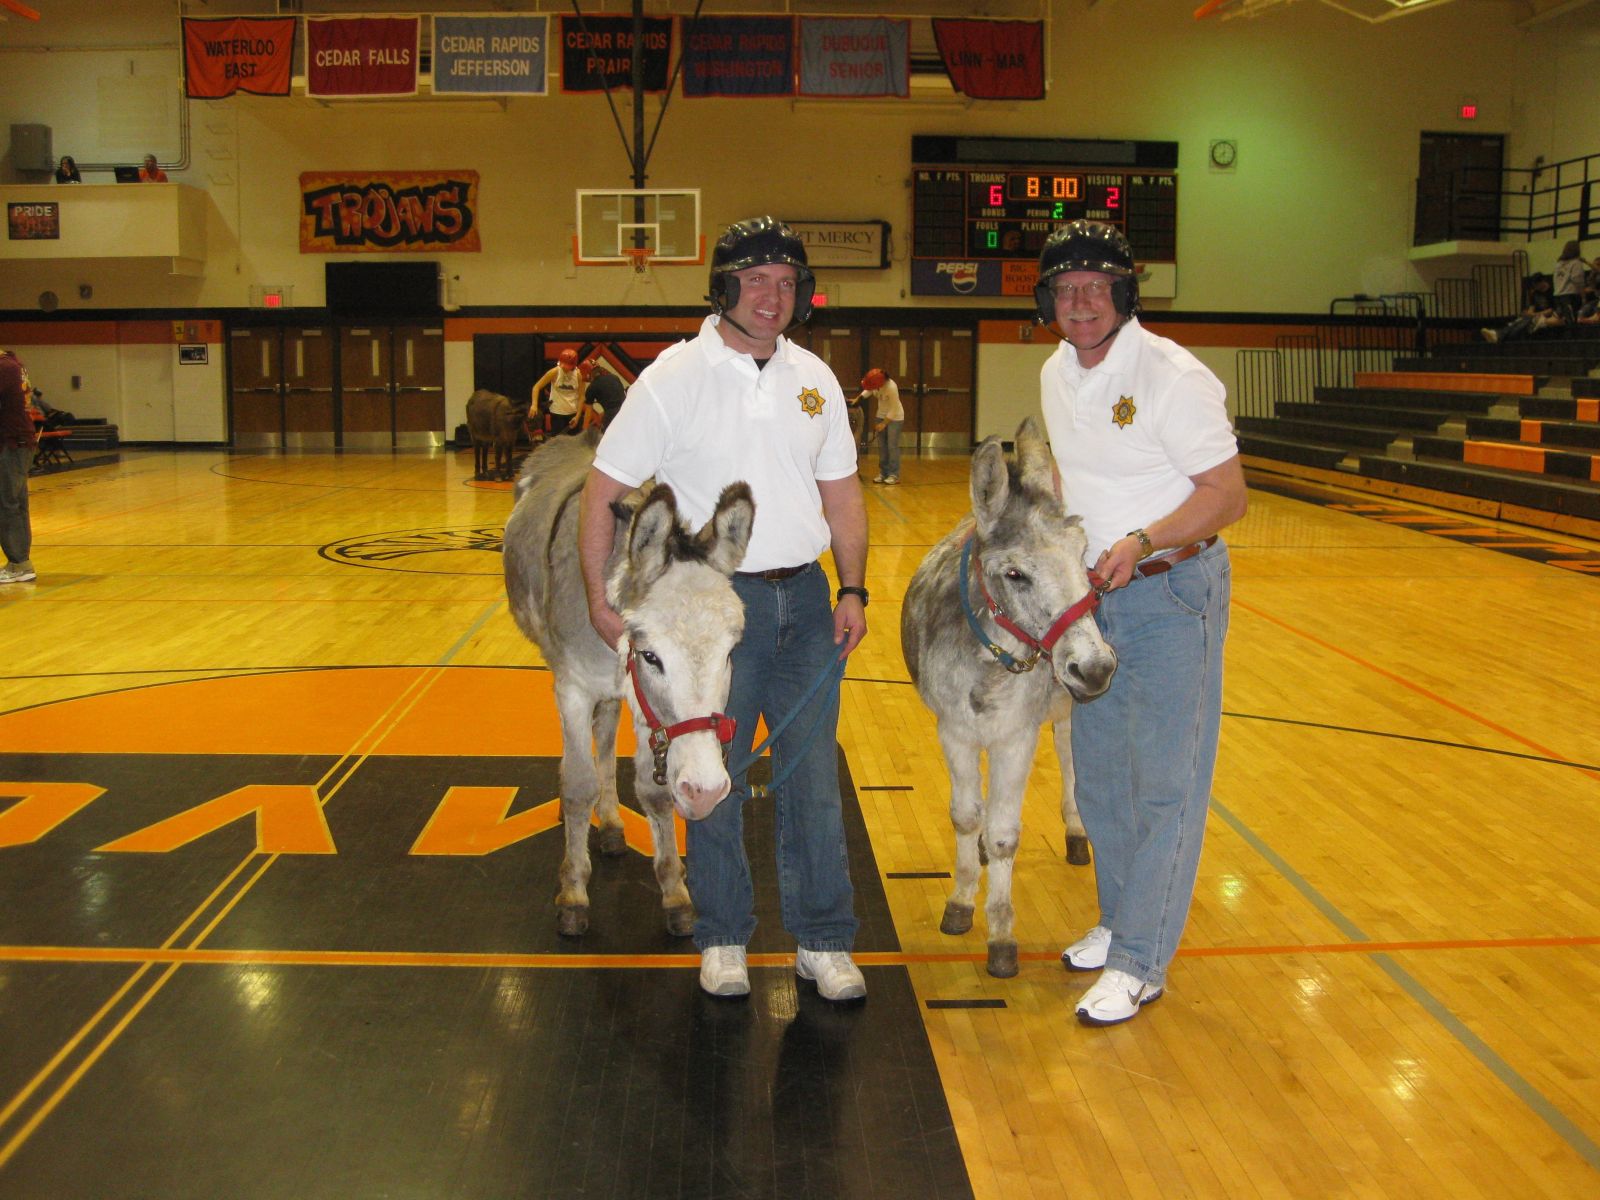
1139, 429
1540, 314
67, 170
604, 395
150, 172
567, 385
1570, 273
891, 415
18, 437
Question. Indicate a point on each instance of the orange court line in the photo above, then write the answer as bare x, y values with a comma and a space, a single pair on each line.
418, 958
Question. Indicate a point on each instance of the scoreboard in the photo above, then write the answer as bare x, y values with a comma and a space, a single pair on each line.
980, 216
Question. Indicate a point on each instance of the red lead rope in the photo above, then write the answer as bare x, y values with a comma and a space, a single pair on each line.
1058, 627
661, 735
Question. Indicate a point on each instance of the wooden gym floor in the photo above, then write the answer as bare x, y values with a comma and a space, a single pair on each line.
1387, 986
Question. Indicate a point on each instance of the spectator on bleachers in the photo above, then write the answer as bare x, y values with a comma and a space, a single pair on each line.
1540, 314
1589, 310
1571, 272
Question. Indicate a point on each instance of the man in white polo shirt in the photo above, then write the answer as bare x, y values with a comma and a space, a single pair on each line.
741, 401
1139, 429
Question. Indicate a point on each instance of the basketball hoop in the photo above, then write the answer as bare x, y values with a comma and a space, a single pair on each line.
640, 258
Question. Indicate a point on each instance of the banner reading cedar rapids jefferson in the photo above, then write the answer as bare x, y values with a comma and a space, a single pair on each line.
362, 56
362, 212
501, 56
855, 56
993, 60
225, 55
738, 56
597, 53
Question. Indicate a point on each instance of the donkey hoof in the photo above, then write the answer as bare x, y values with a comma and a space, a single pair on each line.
610, 841
957, 918
1078, 850
680, 921
572, 920
1003, 960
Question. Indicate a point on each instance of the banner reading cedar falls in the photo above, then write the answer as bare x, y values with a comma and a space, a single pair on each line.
738, 56
224, 55
993, 60
362, 56
855, 56
365, 212
597, 53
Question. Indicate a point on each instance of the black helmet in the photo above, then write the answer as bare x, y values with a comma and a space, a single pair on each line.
1087, 246
750, 244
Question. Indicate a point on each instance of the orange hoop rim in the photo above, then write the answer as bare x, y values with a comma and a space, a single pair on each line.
639, 257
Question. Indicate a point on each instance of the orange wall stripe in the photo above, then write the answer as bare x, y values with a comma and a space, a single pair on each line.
463, 329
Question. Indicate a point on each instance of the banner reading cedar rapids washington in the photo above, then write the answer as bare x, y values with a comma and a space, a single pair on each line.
367, 212
237, 54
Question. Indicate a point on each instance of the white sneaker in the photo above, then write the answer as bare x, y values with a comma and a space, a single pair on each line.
1116, 997
836, 974
1088, 953
891, 479
21, 572
1490, 335
877, 479
723, 971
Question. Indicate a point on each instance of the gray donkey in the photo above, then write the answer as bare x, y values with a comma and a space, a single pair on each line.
673, 590
1004, 590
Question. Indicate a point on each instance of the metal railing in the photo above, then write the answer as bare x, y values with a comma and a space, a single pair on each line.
1367, 334
1489, 204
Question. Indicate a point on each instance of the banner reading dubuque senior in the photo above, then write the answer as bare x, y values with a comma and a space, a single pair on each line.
362, 56
237, 54
501, 56
855, 56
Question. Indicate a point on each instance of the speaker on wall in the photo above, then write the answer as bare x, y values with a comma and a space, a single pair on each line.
30, 148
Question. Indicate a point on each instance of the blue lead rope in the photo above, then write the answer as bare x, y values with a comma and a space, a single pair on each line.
832, 670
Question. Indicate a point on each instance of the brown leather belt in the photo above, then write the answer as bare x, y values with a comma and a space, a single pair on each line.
1165, 562
775, 573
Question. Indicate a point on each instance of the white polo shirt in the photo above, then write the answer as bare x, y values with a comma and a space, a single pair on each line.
702, 416
1128, 433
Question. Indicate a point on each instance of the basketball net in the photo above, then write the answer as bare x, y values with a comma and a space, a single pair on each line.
640, 260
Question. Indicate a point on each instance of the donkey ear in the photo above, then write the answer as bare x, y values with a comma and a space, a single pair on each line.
727, 534
1033, 459
991, 484
651, 533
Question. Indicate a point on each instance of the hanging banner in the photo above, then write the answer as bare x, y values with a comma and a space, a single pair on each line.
993, 60
374, 212
855, 56
497, 56
362, 56
224, 55
738, 56
597, 53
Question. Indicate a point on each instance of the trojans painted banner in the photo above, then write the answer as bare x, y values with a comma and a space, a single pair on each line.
597, 53
738, 56
375, 212
225, 55
993, 60
362, 56
855, 56
497, 56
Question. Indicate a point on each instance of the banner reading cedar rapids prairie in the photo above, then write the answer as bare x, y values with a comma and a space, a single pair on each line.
365, 212
237, 54
597, 53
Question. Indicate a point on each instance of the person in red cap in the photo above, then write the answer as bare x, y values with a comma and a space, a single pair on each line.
891, 415
567, 385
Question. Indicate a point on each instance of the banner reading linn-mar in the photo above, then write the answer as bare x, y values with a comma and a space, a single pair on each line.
362, 56
597, 53
224, 55
499, 56
738, 56
366, 212
855, 56
993, 60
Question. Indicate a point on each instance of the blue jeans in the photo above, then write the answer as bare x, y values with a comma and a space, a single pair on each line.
1145, 751
16, 532
787, 642
889, 449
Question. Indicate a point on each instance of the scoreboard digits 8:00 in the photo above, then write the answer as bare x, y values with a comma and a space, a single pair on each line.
978, 229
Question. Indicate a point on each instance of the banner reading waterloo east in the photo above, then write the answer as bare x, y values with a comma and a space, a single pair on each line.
993, 60
362, 56
738, 56
855, 56
497, 56
225, 55
377, 212
597, 53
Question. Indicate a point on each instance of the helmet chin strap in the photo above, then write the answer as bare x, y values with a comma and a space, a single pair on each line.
1115, 329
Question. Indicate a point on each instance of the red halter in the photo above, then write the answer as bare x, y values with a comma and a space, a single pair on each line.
661, 735
1044, 645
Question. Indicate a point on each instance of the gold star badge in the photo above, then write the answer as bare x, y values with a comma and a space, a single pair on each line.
1122, 414
811, 402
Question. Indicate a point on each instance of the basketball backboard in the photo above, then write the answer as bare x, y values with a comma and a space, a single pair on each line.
664, 221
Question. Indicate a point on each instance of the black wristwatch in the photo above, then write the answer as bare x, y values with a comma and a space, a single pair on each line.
851, 591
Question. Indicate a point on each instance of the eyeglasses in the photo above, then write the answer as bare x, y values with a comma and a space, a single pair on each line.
1092, 290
